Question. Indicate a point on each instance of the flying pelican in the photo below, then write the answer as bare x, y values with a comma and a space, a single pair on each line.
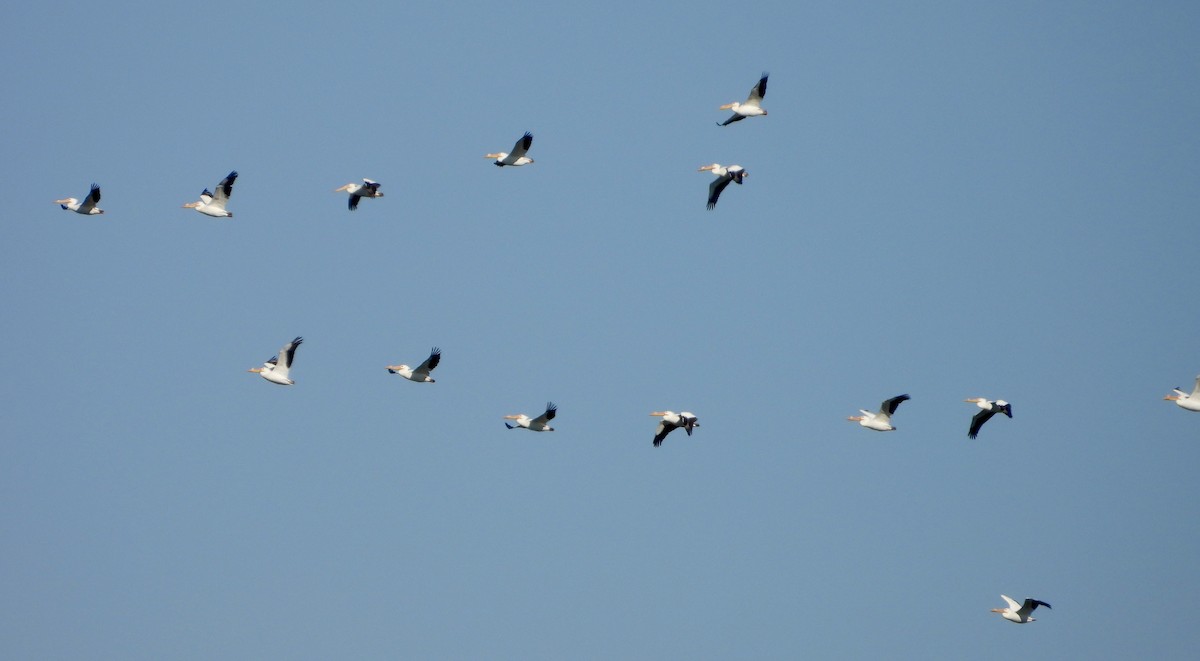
881, 421
214, 205
358, 191
672, 421
1019, 613
276, 369
990, 408
726, 174
753, 105
517, 157
421, 374
540, 423
1183, 400
87, 207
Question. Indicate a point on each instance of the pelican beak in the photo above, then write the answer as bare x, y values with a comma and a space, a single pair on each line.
191, 205
511, 417
1171, 397
727, 106
65, 200
855, 418
338, 190
255, 369
491, 155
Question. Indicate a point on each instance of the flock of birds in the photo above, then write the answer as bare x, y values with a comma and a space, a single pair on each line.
278, 368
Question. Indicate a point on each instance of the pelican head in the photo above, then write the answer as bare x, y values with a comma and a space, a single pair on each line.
396, 368
346, 187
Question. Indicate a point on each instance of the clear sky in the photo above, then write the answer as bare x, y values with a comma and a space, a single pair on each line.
948, 199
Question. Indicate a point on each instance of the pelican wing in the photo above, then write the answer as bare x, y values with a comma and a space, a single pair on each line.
757, 92
1005, 408
521, 147
546, 417
976, 422
91, 200
661, 432
286, 353
371, 186
224, 190
1031, 605
715, 188
354, 198
1011, 604
1196, 390
431, 362
889, 405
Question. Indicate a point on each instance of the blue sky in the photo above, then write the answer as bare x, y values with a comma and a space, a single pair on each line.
948, 200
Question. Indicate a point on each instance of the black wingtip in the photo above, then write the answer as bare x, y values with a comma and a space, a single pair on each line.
509, 426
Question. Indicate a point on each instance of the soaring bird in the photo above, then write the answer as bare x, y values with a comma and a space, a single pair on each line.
752, 106
421, 374
87, 207
276, 369
211, 204
672, 421
540, 423
358, 191
1185, 401
990, 408
881, 421
517, 156
1019, 613
725, 174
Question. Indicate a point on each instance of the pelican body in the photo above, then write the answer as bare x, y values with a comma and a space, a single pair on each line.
1019, 613
276, 369
421, 374
725, 175
213, 204
751, 107
87, 207
358, 191
672, 421
540, 423
517, 155
1185, 401
881, 420
990, 408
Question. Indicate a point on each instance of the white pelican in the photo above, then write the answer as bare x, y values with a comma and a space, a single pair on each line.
990, 408
726, 174
421, 374
211, 204
1183, 400
517, 156
358, 191
276, 369
1019, 613
753, 105
87, 207
540, 423
881, 421
672, 421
